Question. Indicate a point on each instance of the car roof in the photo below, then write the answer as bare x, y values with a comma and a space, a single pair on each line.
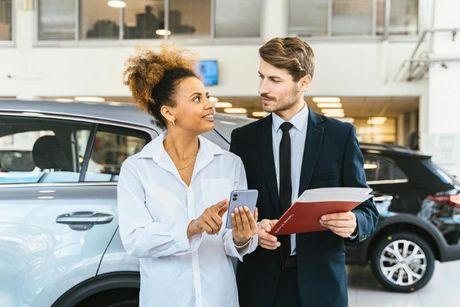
394, 150
123, 112
110, 111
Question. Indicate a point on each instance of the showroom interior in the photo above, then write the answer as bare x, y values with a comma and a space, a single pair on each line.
391, 68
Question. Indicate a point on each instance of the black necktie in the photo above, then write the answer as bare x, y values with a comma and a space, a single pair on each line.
285, 182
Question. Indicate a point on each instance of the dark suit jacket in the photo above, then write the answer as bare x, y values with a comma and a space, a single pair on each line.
332, 158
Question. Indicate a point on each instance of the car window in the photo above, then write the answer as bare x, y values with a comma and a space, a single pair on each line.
41, 150
382, 170
112, 145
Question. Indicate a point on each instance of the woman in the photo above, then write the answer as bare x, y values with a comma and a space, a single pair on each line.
172, 195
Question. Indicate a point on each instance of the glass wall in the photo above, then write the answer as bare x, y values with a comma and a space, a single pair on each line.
403, 18
237, 18
98, 20
352, 17
140, 19
190, 18
5, 20
57, 19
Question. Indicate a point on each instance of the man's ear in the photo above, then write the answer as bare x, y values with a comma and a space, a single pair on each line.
304, 82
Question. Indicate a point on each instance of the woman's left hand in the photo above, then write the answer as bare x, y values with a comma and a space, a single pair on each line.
244, 224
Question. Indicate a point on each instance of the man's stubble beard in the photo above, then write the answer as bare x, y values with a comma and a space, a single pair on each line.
286, 104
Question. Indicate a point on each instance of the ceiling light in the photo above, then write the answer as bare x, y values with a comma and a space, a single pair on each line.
222, 104
338, 115
376, 120
326, 99
116, 3
332, 111
235, 110
329, 105
63, 100
260, 114
163, 32
350, 120
90, 99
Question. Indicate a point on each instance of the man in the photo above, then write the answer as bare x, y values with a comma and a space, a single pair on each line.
287, 152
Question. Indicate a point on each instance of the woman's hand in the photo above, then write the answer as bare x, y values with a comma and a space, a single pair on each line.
210, 221
244, 225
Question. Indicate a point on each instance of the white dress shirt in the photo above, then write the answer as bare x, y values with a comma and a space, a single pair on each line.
298, 134
155, 207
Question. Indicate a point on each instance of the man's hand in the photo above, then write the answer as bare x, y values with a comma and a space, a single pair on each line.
266, 240
342, 224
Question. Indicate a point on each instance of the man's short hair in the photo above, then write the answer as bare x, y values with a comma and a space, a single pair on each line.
290, 53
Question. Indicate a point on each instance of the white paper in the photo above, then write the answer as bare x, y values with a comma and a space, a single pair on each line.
335, 194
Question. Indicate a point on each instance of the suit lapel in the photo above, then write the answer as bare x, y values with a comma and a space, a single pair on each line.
313, 143
265, 140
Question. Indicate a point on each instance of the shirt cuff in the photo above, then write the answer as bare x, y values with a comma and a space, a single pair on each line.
354, 235
184, 244
233, 251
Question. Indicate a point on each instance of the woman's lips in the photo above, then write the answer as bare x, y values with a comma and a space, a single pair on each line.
209, 117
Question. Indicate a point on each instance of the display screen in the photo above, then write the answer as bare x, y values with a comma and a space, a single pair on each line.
209, 71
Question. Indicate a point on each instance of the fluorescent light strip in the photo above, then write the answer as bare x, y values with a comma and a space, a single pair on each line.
116, 3
235, 110
326, 99
325, 105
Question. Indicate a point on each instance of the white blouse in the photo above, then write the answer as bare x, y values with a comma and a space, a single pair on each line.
155, 207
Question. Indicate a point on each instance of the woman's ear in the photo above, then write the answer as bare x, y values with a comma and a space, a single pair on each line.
168, 115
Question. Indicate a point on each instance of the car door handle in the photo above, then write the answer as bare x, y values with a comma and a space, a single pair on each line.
84, 220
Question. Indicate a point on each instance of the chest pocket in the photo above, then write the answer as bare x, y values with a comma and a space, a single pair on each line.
215, 190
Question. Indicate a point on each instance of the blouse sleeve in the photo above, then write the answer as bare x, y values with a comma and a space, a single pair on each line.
140, 234
240, 183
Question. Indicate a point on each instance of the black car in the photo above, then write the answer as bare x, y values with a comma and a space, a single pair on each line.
419, 220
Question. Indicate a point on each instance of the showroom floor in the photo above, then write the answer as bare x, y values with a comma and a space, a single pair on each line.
442, 290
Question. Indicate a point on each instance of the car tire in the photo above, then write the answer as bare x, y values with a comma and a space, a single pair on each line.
402, 262
126, 303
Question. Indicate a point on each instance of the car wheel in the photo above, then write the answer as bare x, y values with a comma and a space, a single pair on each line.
402, 262
126, 303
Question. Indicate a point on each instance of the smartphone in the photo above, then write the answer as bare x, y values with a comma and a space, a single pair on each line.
240, 198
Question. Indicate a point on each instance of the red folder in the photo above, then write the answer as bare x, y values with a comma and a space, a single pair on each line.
305, 213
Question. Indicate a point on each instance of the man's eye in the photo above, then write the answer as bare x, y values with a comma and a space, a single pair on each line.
196, 99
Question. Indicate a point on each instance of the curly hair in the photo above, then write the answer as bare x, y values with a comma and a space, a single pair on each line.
152, 77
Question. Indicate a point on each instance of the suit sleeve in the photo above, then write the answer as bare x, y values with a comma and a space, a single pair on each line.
234, 142
354, 176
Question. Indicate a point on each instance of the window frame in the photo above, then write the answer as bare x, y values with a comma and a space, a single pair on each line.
12, 41
385, 181
77, 42
94, 122
373, 36
92, 139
